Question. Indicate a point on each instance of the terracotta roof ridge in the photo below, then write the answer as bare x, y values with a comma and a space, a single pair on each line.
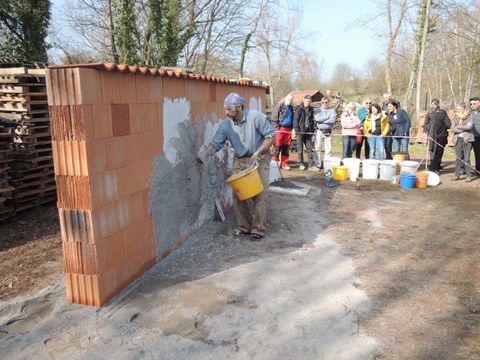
166, 72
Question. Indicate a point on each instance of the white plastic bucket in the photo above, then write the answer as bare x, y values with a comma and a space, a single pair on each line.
388, 169
409, 166
370, 169
353, 166
330, 162
273, 171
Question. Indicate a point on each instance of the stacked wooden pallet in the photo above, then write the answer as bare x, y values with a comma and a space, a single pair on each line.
23, 98
6, 190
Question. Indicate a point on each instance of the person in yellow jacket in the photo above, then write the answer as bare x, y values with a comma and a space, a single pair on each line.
375, 128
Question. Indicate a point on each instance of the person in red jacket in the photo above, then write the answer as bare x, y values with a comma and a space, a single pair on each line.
282, 121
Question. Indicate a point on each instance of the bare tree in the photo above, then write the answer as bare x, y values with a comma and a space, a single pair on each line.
452, 52
277, 49
393, 31
416, 68
310, 72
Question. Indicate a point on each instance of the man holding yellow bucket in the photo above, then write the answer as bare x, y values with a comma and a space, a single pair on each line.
251, 136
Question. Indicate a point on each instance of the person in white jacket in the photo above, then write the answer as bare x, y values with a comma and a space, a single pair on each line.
350, 122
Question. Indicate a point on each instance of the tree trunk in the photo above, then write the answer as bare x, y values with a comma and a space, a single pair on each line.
393, 34
111, 29
421, 62
419, 52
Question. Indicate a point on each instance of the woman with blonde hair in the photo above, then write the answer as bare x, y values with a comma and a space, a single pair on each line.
375, 128
463, 139
350, 122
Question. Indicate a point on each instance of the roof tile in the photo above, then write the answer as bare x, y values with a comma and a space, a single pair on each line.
133, 69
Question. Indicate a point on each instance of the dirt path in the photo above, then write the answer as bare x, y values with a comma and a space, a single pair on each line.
361, 270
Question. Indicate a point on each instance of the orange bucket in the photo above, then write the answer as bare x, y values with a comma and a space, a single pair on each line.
421, 179
399, 157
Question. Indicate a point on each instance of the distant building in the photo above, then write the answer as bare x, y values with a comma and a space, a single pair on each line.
299, 95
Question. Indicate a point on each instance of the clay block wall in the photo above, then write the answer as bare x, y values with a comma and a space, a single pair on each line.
107, 132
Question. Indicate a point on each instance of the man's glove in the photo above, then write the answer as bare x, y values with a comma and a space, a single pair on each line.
211, 150
204, 152
255, 159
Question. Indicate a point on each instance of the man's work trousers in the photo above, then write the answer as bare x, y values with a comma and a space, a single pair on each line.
252, 213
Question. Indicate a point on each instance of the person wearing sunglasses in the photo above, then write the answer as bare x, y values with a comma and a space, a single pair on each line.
325, 117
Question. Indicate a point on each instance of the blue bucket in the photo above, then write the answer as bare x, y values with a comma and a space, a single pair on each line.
407, 180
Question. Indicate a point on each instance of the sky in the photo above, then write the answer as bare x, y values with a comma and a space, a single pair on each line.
334, 42
330, 20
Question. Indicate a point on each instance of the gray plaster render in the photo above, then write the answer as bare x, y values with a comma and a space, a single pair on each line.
182, 194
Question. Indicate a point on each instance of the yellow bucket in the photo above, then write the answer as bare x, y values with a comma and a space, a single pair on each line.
246, 183
340, 172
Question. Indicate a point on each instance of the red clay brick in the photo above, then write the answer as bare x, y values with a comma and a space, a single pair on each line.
139, 258
91, 289
127, 89
120, 209
50, 79
62, 94
110, 87
135, 206
195, 91
104, 188
120, 119
107, 286
89, 259
76, 225
145, 173
114, 247
198, 110
149, 143
102, 121
101, 256
124, 273
132, 149
89, 85
156, 86
87, 116
143, 89
126, 181
173, 88
82, 291
78, 160
151, 117
131, 242
137, 118
115, 152
97, 156
69, 287
73, 192
56, 158
72, 256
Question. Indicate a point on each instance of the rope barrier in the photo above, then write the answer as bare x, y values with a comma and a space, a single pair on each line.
427, 158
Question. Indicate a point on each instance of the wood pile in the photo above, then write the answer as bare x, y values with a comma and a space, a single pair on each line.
26, 161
